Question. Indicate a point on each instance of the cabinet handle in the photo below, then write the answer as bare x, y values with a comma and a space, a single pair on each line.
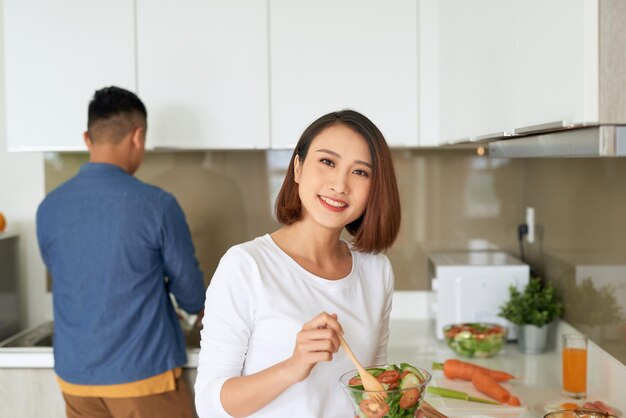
495, 135
542, 127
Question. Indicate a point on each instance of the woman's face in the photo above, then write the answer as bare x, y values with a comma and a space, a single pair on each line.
335, 178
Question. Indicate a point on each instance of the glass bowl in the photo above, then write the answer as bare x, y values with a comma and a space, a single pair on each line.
406, 387
578, 413
475, 339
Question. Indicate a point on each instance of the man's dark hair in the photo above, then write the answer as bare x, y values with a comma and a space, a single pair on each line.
113, 113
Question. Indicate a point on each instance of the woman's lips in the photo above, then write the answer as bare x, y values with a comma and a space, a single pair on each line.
333, 204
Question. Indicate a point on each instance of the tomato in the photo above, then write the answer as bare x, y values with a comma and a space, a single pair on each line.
495, 330
374, 409
394, 385
355, 381
388, 376
409, 398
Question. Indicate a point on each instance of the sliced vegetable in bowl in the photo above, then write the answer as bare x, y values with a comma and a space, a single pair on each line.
475, 339
405, 388
569, 404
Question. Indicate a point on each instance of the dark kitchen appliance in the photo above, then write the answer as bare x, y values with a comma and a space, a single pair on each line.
9, 296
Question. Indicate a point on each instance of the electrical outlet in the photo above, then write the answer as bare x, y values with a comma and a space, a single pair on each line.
530, 222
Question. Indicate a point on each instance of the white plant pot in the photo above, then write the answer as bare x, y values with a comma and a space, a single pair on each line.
532, 339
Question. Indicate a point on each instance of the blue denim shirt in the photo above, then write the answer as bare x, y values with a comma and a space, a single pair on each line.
116, 247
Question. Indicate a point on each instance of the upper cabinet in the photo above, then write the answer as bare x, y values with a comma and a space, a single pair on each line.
329, 55
557, 61
203, 73
246, 74
491, 67
467, 66
56, 55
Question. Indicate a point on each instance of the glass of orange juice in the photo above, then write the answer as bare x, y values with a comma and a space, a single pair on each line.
575, 365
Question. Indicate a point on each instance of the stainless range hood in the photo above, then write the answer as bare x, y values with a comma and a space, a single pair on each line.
562, 141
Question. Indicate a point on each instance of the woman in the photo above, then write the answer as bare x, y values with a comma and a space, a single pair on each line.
257, 358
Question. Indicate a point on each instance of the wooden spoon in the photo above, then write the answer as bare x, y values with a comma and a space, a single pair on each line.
370, 383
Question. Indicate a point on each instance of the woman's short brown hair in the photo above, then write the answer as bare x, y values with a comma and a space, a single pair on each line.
377, 228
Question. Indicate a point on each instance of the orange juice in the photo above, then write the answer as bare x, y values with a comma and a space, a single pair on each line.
575, 370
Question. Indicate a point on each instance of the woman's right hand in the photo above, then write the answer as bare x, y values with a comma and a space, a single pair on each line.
317, 341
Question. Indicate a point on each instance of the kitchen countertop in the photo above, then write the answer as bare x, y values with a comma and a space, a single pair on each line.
413, 340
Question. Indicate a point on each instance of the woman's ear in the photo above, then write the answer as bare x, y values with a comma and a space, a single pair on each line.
297, 169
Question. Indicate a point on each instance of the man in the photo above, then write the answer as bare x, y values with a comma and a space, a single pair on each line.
116, 248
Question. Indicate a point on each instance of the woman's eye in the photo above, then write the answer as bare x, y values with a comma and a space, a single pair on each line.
361, 173
327, 162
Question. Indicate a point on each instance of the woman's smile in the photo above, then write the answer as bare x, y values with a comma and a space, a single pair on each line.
333, 204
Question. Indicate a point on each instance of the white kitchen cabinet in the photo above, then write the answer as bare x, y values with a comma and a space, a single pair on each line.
494, 66
56, 55
203, 73
467, 68
33, 392
557, 54
328, 55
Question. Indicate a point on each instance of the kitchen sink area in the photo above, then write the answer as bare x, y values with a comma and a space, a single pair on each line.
39, 336
43, 336
27, 362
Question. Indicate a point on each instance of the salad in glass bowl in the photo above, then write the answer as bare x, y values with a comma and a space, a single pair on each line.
405, 386
475, 339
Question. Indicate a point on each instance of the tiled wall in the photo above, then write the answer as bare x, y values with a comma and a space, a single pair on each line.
451, 200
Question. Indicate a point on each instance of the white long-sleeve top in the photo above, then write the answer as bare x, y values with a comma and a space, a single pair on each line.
257, 302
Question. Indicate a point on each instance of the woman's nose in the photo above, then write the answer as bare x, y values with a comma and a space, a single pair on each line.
339, 183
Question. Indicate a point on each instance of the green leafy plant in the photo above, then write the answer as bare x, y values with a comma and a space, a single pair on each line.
536, 305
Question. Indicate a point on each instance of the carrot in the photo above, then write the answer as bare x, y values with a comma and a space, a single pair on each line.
457, 369
514, 401
486, 384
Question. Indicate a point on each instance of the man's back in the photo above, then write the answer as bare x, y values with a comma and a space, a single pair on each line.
108, 240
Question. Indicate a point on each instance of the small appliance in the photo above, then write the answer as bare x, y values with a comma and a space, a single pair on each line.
471, 287
9, 297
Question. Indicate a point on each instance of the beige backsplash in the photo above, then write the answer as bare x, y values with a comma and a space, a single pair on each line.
581, 207
451, 200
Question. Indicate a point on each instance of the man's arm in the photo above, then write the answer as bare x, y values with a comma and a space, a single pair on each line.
186, 280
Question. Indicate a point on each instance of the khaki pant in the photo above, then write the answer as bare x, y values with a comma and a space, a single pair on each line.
175, 404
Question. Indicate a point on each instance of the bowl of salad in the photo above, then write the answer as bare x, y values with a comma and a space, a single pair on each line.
475, 339
405, 387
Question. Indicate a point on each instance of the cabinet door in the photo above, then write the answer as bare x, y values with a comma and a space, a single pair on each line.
468, 71
57, 53
558, 61
328, 55
203, 72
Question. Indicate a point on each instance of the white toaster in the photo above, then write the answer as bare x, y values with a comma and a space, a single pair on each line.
471, 287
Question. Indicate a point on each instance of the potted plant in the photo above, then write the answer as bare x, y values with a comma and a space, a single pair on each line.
532, 310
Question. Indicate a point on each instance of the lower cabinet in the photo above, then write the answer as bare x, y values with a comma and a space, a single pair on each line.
34, 393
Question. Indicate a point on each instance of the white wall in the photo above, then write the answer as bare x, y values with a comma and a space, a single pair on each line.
21, 189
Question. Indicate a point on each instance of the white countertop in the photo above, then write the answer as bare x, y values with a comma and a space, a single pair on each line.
540, 375
539, 382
